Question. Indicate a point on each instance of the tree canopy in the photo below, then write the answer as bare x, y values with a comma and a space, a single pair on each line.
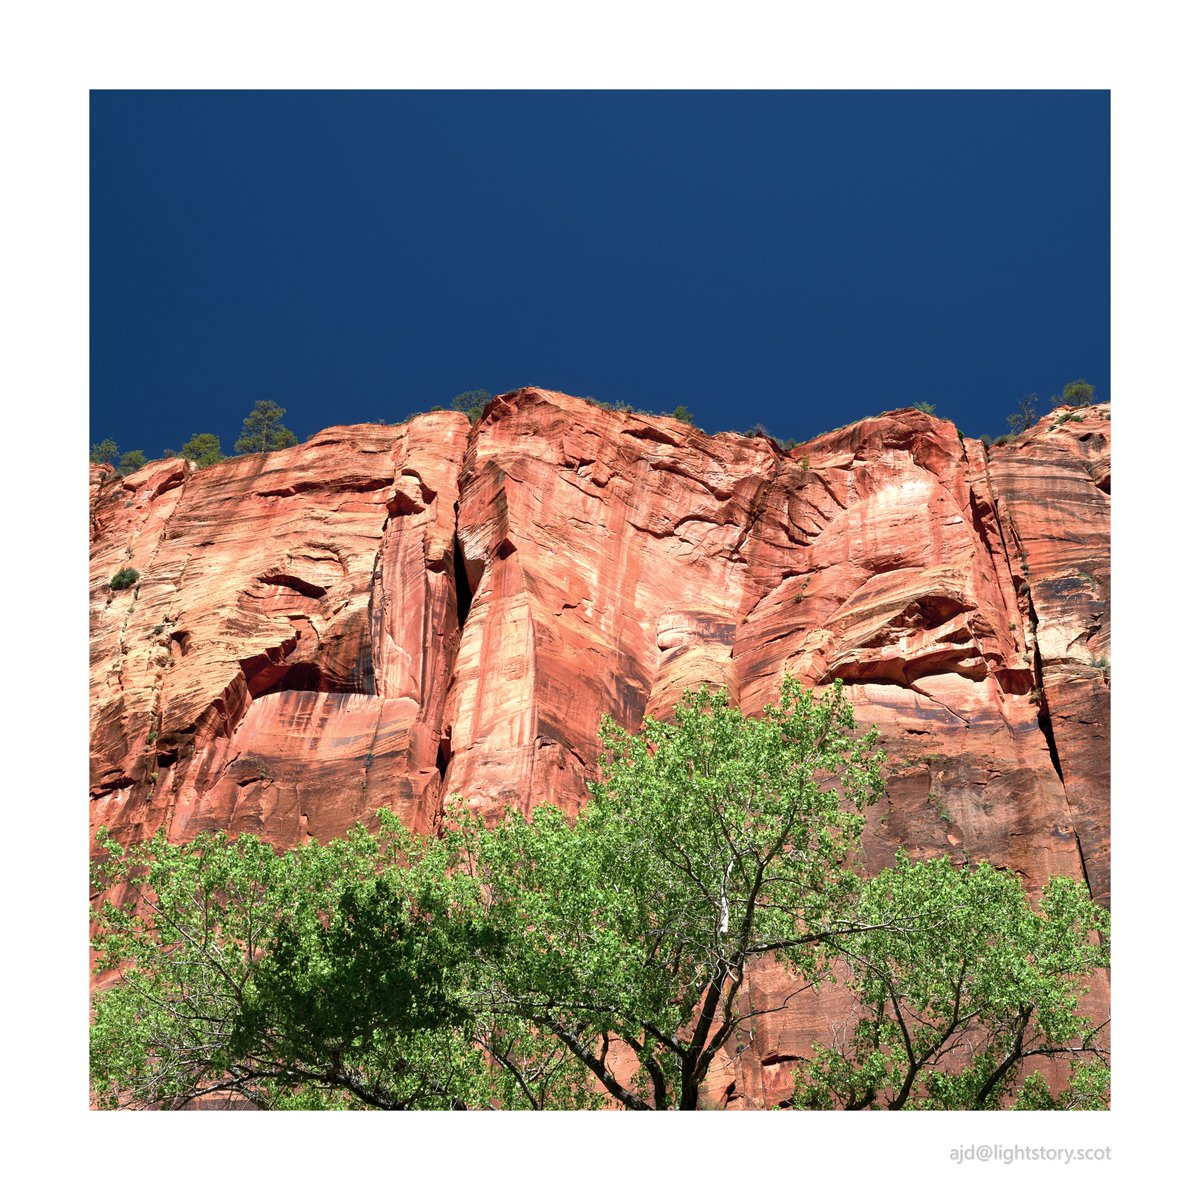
542, 963
975, 984
1078, 393
327, 976
472, 403
104, 452
263, 430
132, 460
204, 449
709, 841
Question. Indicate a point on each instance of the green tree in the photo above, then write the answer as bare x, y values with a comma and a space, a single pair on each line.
683, 413
1086, 1089
329, 976
708, 843
522, 965
105, 451
969, 986
263, 430
132, 460
503, 963
204, 449
472, 403
1026, 414
923, 406
1079, 393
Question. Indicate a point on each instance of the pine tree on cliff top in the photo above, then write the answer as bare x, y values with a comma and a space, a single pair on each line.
263, 430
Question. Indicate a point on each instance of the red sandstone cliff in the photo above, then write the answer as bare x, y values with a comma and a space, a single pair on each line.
388, 615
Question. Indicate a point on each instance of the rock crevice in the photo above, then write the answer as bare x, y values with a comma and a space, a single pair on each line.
316, 635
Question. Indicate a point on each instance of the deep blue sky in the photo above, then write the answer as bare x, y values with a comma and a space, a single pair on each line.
799, 259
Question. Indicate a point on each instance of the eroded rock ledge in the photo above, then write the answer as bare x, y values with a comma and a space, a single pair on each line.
384, 616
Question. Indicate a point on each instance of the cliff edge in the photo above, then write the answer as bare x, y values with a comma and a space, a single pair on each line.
386, 615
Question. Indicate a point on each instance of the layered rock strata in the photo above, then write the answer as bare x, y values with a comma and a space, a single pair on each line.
386, 616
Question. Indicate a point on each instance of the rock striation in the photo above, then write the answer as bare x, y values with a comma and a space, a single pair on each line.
386, 616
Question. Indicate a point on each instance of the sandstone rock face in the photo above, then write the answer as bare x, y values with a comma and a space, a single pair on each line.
385, 616
281, 666
1052, 494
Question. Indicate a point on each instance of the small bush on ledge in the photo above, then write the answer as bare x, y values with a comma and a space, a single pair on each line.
124, 578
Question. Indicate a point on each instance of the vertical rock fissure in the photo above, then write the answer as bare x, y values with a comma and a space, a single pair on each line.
757, 508
1045, 720
987, 475
979, 523
1045, 723
370, 667
1083, 864
463, 592
464, 596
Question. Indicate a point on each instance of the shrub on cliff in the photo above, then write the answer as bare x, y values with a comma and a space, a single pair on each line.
132, 460
507, 965
124, 578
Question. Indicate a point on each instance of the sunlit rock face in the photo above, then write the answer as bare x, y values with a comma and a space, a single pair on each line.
389, 615
281, 665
